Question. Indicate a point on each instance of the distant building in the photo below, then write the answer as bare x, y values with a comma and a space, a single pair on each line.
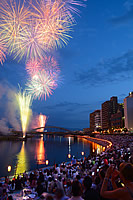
106, 115
114, 105
108, 108
95, 120
116, 120
92, 121
128, 111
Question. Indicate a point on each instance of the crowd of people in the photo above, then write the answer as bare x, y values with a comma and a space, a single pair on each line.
96, 177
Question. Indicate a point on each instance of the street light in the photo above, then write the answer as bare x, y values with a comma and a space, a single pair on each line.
82, 153
69, 155
47, 162
9, 168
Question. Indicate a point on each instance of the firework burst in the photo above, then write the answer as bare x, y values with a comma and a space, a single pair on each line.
33, 66
14, 17
48, 63
42, 84
30, 44
54, 24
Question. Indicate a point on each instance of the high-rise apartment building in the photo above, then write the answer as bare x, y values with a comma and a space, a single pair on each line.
128, 111
95, 120
92, 121
108, 108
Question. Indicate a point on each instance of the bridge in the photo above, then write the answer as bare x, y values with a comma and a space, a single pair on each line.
50, 129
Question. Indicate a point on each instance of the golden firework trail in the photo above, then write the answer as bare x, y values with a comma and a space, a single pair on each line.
24, 101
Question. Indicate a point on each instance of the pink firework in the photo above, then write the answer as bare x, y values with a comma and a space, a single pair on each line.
48, 64
33, 66
51, 65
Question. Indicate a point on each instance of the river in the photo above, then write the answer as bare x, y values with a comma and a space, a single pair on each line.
25, 156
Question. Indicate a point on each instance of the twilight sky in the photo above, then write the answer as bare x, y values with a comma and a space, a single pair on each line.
96, 64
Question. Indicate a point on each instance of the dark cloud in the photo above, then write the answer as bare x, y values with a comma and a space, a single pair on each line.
67, 106
123, 19
111, 70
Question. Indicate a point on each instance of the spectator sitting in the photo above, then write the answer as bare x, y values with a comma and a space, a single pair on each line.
89, 192
76, 191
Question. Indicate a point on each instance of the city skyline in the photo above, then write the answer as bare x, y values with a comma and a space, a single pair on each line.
96, 64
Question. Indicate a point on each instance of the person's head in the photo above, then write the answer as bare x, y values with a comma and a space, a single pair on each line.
87, 182
101, 174
97, 180
10, 197
76, 188
49, 197
78, 177
126, 172
59, 193
4, 191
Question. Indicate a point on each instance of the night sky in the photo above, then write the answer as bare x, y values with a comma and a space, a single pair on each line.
96, 64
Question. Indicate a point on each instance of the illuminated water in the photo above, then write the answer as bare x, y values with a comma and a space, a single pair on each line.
25, 156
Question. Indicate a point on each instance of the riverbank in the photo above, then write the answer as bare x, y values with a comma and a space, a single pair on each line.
115, 153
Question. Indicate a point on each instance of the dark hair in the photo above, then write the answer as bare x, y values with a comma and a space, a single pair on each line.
97, 180
49, 197
4, 190
76, 188
78, 177
102, 173
59, 193
10, 197
87, 182
126, 170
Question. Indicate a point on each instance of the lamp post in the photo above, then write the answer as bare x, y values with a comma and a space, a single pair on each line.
9, 168
47, 162
69, 155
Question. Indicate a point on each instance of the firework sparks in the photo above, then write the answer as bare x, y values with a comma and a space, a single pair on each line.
2, 52
30, 34
30, 44
54, 24
42, 84
42, 121
14, 17
33, 66
24, 101
72, 6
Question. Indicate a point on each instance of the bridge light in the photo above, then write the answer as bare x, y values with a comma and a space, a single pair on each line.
47, 162
82, 153
69, 155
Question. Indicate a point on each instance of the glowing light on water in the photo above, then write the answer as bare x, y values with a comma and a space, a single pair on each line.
40, 152
22, 163
24, 101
